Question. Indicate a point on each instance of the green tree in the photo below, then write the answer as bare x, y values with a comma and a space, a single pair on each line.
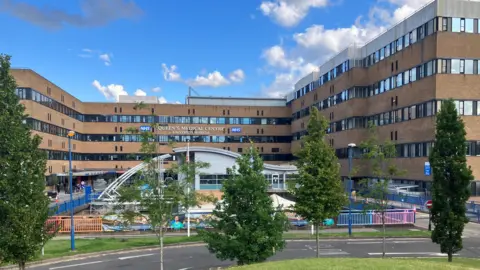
247, 228
379, 157
318, 189
156, 195
24, 208
451, 180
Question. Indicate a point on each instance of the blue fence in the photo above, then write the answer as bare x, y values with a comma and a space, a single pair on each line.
67, 205
392, 217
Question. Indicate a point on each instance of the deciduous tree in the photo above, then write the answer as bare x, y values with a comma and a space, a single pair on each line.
379, 157
451, 180
247, 228
24, 207
156, 195
318, 189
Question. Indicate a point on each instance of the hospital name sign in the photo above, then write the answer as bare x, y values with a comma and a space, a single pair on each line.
193, 130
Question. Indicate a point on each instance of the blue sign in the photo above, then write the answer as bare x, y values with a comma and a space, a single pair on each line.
236, 130
145, 128
427, 170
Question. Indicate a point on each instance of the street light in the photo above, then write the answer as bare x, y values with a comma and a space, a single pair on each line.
350, 156
70, 134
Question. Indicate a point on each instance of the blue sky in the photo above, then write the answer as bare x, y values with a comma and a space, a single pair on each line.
97, 50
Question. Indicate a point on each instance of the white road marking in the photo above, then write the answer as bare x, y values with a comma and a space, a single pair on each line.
387, 242
75, 265
411, 253
137, 256
186, 268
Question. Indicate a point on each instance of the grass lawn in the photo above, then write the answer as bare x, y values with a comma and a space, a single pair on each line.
389, 234
367, 264
60, 248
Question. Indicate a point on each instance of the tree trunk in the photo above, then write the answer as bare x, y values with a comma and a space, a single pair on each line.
161, 246
450, 256
21, 265
383, 225
316, 239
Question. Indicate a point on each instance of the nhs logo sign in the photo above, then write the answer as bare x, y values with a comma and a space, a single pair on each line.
145, 128
236, 130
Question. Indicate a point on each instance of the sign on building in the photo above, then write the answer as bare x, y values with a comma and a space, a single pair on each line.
145, 128
236, 129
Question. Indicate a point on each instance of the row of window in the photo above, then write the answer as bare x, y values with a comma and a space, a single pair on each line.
424, 109
437, 66
30, 94
419, 33
411, 150
63, 155
62, 132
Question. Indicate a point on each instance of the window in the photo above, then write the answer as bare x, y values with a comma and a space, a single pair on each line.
462, 25
468, 107
240, 150
407, 40
455, 66
469, 25
468, 67
275, 150
456, 25
444, 24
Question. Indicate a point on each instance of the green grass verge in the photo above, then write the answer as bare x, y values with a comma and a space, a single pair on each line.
61, 248
367, 264
388, 234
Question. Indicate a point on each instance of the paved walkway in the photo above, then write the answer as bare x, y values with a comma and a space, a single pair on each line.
62, 197
178, 234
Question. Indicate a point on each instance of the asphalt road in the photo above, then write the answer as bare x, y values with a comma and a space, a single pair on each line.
471, 230
198, 257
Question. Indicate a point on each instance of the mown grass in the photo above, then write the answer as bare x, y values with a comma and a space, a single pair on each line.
367, 264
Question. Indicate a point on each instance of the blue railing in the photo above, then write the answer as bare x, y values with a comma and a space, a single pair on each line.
365, 218
81, 201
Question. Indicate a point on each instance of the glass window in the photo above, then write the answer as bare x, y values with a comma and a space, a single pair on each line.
462, 25
382, 53
407, 40
455, 66
413, 74
468, 66
468, 108
399, 44
469, 25
430, 68
456, 25
387, 50
406, 77
413, 36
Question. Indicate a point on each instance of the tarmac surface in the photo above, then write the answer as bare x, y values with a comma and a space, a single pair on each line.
198, 257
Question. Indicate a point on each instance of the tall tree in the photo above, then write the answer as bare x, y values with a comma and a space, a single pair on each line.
379, 157
24, 208
318, 189
247, 228
156, 195
451, 180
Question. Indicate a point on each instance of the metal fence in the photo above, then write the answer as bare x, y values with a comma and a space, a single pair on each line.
368, 218
82, 224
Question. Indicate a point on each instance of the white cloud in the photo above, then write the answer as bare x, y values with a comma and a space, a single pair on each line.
162, 100
140, 93
106, 58
316, 44
237, 76
213, 79
156, 89
111, 91
289, 13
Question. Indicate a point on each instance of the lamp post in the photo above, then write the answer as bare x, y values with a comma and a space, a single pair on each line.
70, 134
188, 187
350, 186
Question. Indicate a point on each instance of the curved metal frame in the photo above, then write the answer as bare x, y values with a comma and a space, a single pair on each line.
110, 192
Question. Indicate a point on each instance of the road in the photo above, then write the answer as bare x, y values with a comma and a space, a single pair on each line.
198, 257
472, 229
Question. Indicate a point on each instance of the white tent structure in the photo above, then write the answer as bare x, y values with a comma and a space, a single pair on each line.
281, 202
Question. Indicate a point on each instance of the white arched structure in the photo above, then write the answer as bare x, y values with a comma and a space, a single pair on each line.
110, 193
219, 160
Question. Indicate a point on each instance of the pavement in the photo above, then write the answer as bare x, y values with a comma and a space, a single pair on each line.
198, 257
62, 197
170, 234
471, 230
